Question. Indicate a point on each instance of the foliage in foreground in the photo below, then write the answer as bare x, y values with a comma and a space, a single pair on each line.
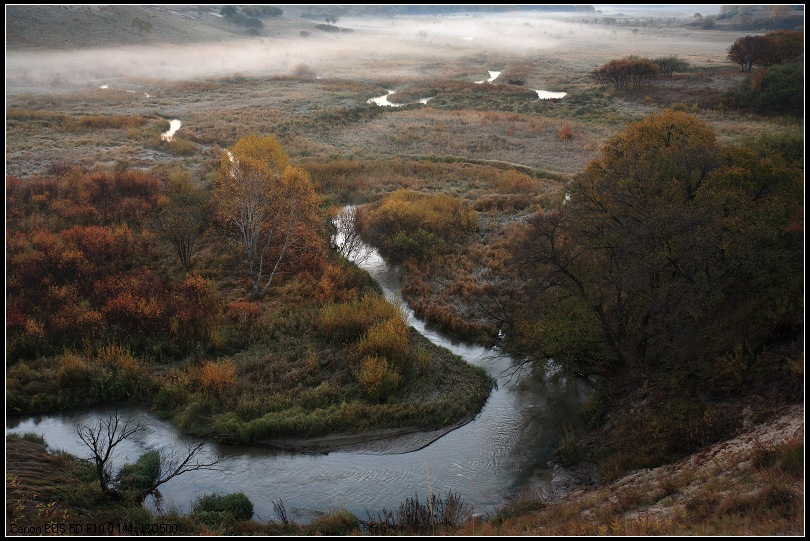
435, 516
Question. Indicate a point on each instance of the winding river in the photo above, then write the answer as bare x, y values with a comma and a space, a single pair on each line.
485, 461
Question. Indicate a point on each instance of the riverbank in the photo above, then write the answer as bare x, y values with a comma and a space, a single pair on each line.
749, 484
389, 441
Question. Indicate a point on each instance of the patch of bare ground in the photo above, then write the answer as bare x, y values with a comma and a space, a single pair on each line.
389, 441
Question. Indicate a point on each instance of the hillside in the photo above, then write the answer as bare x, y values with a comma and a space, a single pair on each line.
751, 484
64, 27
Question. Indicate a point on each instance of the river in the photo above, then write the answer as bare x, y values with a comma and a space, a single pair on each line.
485, 461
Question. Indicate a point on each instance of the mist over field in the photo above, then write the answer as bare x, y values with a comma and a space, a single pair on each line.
368, 51
548, 259
372, 39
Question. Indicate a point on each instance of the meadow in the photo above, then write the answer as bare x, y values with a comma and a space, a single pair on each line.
447, 188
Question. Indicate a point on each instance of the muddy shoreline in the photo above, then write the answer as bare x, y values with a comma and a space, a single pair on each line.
391, 441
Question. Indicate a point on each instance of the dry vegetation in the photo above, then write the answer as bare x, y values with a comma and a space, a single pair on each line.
329, 116
494, 149
749, 485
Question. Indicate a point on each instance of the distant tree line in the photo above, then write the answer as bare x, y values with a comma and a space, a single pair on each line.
250, 16
754, 17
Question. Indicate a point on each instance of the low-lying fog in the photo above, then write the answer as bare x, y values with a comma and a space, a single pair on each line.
329, 54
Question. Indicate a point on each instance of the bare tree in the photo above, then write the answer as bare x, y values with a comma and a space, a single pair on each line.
107, 433
176, 462
346, 240
101, 439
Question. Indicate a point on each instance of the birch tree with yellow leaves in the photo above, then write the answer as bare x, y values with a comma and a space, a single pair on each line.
269, 206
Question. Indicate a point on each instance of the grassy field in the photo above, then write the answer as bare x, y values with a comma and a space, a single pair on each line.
250, 84
96, 86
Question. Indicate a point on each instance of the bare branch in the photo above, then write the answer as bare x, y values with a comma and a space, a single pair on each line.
175, 463
101, 439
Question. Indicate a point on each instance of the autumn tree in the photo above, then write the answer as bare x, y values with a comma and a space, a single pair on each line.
785, 45
183, 216
631, 72
667, 246
767, 50
269, 206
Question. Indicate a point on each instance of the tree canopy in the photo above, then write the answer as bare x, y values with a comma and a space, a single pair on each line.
269, 206
772, 48
669, 248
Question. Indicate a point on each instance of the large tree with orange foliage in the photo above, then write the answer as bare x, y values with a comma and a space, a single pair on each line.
269, 206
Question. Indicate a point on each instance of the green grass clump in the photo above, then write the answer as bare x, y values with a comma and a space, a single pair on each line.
236, 506
344, 322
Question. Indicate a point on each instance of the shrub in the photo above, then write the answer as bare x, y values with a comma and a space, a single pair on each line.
594, 411
630, 72
409, 224
436, 515
304, 71
389, 339
668, 65
142, 474
348, 321
567, 453
340, 523
565, 132
217, 377
378, 379
513, 182
28, 436
790, 146
774, 90
235, 506
179, 146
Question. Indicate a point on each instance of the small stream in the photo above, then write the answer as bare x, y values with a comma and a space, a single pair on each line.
485, 461
383, 101
174, 125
